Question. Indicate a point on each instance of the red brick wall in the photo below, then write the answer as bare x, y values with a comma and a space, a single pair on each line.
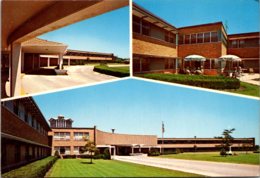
12, 125
200, 28
209, 50
245, 52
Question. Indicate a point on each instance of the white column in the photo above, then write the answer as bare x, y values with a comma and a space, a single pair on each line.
22, 62
210, 63
110, 150
132, 149
16, 69
60, 60
68, 61
48, 62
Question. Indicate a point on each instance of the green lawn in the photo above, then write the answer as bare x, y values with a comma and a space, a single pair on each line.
108, 168
242, 158
114, 71
247, 89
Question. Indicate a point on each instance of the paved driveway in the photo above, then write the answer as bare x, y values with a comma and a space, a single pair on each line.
77, 75
206, 168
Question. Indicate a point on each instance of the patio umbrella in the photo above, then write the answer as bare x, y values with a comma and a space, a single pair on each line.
194, 58
230, 57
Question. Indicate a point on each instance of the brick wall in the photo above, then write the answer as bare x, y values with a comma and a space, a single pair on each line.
208, 50
245, 52
13, 125
149, 46
104, 138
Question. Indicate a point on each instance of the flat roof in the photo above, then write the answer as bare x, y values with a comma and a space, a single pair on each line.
249, 35
202, 138
87, 52
150, 17
201, 25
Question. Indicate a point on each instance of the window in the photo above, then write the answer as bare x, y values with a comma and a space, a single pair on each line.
21, 112
156, 32
234, 44
61, 136
207, 37
81, 135
193, 38
180, 39
136, 24
16, 107
29, 118
187, 39
241, 43
76, 150
200, 38
214, 36
170, 37
145, 28
9, 105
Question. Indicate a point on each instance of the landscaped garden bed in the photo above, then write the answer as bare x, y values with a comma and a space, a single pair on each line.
36, 169
213, 82
114, 71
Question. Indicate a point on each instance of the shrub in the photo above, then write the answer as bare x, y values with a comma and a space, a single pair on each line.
153, 152
214, 82
114, 71
57, 154
33, 170
223, 152
107, 154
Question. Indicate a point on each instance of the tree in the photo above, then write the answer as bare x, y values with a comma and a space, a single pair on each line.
90, 147
227, 138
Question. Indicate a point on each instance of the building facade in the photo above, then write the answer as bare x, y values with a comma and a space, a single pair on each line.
67, 140
203, 144
24, 133
160, 47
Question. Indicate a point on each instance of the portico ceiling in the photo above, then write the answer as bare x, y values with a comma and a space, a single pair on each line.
37, 45
24, 20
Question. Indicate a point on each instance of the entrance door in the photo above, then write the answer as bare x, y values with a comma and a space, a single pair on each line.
62, 150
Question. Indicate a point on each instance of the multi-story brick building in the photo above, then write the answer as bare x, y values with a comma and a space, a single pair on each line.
24, 133
204, 144
67, 140
160, 47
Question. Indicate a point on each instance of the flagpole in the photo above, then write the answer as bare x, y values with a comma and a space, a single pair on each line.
162, 137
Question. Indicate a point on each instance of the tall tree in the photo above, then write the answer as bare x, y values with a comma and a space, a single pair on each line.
227, 138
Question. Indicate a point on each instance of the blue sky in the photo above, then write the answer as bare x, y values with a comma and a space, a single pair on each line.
108, 32
139, 107
240, 15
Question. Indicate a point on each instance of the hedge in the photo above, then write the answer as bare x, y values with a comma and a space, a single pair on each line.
214, 82
36, 169
114, 71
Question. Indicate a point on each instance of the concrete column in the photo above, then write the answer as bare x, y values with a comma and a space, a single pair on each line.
48, 62
132, 149
22, 64
209, 63
68, 61
60, 60
16, 69
110, 150
140, 149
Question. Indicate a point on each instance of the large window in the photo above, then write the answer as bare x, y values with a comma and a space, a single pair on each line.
187, 39
81, 135
136, 24
61, 136
214, 36
170, 37
193, 38
200, 38
180, 39
145, 28
207, 37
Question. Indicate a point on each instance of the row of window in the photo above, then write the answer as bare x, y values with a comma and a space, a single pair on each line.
66, 136
67, 150
201, 141
203, 37
19, 109
146, 28
244, 43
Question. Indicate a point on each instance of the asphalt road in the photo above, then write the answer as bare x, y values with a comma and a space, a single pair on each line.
77, 75
206, 168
